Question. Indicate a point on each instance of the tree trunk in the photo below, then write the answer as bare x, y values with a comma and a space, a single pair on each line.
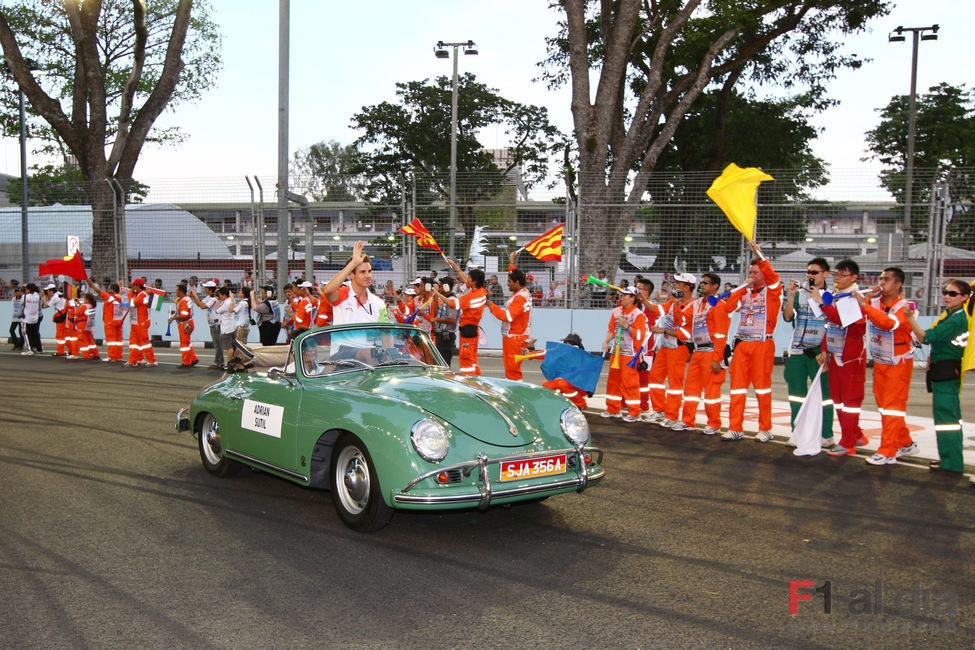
104, 248
604, 219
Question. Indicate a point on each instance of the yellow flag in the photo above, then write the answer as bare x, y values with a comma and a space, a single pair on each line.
734, 192
968, 359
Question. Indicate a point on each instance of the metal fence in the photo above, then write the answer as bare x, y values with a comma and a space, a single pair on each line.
226, 228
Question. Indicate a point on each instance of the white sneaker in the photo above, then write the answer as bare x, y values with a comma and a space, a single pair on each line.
106, 359
27, 353
655, 416
679, 425
764, 436
732, 435
880, 459
606, 414
909, 450
152, 364
826, 443
668, 423
710, 431
631, 418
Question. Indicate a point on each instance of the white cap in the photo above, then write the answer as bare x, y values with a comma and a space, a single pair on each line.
686, 277
306, 285
417, 281
51, 286
210, 284
409, 292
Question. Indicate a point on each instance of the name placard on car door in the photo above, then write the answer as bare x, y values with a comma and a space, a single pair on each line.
262, 418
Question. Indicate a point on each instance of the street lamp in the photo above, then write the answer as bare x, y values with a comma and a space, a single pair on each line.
897, 36
441, 52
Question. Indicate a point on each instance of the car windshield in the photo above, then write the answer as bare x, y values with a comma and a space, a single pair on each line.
332, 352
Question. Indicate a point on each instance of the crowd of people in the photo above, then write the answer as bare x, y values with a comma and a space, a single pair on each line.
670, 350
668, 356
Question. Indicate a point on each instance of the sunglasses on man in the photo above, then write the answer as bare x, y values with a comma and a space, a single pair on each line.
953, 294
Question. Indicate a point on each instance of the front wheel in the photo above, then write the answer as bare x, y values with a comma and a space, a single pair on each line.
211, 449
355, 487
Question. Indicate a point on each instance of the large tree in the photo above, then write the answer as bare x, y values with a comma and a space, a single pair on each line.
100, 73
325, 171
719, 127
651, 62
944, 151
409, 141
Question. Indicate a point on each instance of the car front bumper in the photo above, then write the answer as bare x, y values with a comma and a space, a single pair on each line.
490, 492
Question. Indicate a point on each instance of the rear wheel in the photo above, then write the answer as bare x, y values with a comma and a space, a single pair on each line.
355, 487
211, 449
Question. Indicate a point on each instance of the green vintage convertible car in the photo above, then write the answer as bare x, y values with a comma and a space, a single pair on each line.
371, 412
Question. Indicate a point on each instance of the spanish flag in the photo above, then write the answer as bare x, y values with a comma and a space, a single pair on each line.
548, 247
423, 236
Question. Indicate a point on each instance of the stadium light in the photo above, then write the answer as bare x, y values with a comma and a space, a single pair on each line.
441, 52
897, 36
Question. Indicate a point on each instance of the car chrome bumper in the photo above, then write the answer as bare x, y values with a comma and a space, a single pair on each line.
488, 493
183, 419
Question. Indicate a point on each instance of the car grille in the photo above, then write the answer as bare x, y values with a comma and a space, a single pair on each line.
454, 476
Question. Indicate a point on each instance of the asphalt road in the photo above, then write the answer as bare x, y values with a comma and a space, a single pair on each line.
113, 535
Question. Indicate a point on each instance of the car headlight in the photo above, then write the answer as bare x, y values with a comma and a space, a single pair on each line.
574, 425
430, 440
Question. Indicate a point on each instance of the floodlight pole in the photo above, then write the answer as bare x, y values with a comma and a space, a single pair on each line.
469, 48
284, 37
916, 37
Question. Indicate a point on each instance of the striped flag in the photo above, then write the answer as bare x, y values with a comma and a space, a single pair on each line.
548, 247
156, 298
423, 236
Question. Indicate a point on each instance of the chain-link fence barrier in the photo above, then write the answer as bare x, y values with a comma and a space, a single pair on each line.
227, 229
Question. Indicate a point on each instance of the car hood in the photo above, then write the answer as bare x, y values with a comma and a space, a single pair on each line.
495, 411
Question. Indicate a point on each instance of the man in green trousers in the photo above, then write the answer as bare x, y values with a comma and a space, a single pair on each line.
802, 362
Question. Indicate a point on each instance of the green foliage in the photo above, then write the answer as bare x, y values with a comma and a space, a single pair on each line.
45, 39
326, 171
717, 131
48, 185
944, 151
408, 143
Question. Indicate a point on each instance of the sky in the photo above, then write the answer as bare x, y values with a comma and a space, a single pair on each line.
348, 55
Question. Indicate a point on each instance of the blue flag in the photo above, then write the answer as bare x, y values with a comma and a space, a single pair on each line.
572, 364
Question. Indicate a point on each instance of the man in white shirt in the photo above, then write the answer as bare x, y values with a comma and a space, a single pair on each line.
208, 302
224, 311
32, 320
354, 302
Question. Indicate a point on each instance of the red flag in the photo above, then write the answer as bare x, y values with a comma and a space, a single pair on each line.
423, 236
72, 267
548, 247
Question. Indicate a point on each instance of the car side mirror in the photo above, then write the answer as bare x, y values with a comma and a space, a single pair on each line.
277, 373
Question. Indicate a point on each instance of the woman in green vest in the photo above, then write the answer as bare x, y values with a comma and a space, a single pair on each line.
947, 338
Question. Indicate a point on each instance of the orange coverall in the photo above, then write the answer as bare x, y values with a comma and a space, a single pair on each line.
709, 329
669, 364
71, 329
86, 339
515, 323
112, 314
891, 372
139, 344
471, 306
754, 354
623, 383
184, 325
